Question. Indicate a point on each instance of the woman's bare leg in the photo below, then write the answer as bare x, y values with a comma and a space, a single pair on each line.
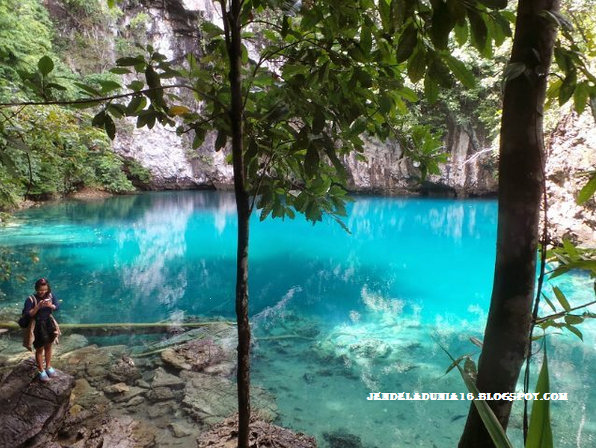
39, 358
48, 351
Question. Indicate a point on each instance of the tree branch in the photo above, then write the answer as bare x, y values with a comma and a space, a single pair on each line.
112, 97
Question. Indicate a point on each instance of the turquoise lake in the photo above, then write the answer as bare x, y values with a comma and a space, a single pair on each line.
335, 315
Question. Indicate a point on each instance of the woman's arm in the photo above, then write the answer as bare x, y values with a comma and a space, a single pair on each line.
31, 307
55, 303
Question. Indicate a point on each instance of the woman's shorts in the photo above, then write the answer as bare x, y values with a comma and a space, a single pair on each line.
45, 332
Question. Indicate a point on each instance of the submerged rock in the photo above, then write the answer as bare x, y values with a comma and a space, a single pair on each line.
30, 411
262, 434
121, 432
201, 355
209, 400
94, 363
124, 370
342, 440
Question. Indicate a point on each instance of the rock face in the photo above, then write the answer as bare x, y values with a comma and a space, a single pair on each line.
173, 30
31, 412
572, 150
469, 171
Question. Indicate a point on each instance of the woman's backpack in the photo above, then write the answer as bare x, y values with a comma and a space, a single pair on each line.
25, 318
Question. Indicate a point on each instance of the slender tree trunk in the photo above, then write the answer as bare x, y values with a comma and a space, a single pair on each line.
521, 171
234, 41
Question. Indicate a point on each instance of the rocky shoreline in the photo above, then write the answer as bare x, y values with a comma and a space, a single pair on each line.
176, 392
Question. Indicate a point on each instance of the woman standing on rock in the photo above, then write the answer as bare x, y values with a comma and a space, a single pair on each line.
43, 329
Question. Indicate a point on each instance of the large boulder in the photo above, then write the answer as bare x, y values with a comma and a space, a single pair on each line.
30, 411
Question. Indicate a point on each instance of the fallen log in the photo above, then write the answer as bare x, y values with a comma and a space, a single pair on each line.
125, 327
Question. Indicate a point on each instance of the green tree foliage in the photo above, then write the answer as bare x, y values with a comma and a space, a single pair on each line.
25, 36
53, 150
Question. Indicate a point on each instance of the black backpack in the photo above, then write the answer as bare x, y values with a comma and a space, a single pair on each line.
25, 318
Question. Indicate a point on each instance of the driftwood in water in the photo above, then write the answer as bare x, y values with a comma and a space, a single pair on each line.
125, 327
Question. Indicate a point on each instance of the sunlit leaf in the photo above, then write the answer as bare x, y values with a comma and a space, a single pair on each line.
587, 191
540, 432
561, 298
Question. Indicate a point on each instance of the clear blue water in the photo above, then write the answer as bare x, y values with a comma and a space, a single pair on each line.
366, 304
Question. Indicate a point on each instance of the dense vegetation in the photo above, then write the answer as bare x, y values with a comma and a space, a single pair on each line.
49, 151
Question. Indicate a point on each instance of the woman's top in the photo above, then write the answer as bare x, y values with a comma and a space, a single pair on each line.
44, 312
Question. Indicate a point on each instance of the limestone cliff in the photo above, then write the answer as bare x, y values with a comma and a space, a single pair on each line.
469, 170
571, 151
171, 26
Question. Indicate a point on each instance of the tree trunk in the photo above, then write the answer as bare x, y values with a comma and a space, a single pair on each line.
521, 176
234, 41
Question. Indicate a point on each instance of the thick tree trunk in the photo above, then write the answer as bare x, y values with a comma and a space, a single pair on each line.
234, 41
521, 171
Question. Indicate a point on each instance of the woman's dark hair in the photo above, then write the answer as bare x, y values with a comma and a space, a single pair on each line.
42, 282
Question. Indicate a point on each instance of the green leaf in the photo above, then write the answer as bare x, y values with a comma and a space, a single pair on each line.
137, 103
587, 191
311, 161
460, 71
550, 303
53, 85
119, 70
108, 86
575, 331
494, 4
116, 110
570, 248
87, 89
455, 363
479, 29
136, 85
593, 104
110, 127
211, 30
176, 111
385, 103
407, 94
513, 70
99, 119
153, 80
431, 89
366, 40
45, 65
580, 97
221, 140
407, 43
540, 433
461, 33
491, 423
442, 24
128, 62
561, 298
417, 64
199, 138
572, 319
567, 87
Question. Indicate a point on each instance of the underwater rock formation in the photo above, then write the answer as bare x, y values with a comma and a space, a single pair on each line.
30, 411
211, 399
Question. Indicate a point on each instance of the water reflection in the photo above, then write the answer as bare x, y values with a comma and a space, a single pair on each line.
147, 256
